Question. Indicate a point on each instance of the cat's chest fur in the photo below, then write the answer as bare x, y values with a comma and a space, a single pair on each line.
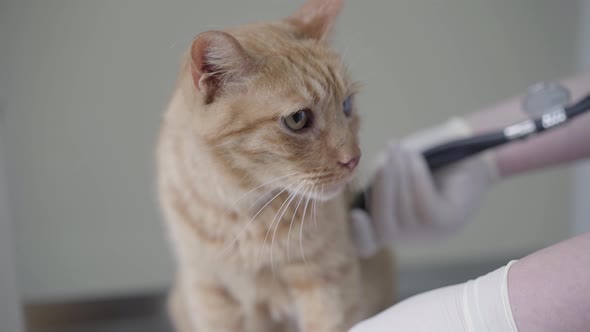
253, 253
287, 230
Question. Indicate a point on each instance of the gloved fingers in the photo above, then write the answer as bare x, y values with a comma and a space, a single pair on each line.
382, 204
363, 233
405, 209
465, 185
430, 207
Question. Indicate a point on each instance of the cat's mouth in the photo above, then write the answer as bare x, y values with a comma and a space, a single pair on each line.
327, 191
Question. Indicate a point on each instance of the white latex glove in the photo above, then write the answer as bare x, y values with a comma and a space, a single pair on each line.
407, 202
480, 305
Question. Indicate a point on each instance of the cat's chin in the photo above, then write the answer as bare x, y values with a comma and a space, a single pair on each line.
329, 191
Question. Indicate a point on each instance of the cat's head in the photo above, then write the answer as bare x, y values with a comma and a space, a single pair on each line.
275, 102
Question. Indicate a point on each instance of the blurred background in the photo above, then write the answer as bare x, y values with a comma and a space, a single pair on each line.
83, 85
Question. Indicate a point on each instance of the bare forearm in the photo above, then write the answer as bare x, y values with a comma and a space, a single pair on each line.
564, 145
550, 290
560, 146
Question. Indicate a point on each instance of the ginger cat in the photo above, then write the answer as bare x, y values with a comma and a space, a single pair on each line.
256, 150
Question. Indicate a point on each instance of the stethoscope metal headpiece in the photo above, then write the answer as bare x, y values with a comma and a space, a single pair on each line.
544, 97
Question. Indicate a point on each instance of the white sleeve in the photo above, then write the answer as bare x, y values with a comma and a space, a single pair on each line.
480, 305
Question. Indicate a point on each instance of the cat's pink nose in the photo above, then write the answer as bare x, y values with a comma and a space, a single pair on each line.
350, 163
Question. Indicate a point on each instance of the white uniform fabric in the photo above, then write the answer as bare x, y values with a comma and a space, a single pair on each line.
480, 305
407, 203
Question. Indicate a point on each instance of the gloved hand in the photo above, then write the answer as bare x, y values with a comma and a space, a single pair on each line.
478, 305
407, 202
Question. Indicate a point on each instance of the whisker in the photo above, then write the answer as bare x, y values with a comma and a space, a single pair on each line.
220, 145
288, 199
254, 217
321, 200
289, 235
262, 185
291, 225
261, 197
314, 207
322, 176
254, 204
301, 231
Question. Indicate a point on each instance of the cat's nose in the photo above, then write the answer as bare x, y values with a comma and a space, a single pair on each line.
350, 162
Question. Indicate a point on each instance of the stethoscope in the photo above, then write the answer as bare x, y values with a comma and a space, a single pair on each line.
546, 103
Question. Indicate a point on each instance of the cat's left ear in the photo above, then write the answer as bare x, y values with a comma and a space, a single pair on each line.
316, 18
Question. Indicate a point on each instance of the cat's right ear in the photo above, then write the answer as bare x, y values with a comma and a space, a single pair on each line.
218, 60
316, 18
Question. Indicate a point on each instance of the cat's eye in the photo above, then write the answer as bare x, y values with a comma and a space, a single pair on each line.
347, 106
298, 120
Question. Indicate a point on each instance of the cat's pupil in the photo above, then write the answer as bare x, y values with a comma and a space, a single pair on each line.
298, 120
